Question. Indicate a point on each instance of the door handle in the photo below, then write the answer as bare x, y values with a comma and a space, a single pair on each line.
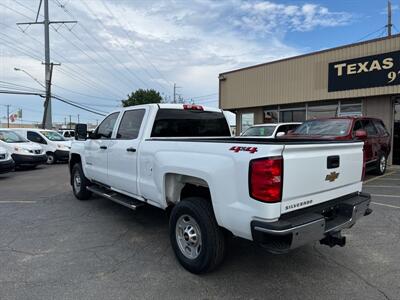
130, 149
103, 147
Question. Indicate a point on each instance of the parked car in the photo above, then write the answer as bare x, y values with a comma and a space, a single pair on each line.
23, 152
68, 134
377, 140
270, 130
56, 147
182, 158
6, 162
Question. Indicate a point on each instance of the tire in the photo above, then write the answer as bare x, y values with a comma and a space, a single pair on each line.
51, 159
381, 165
80, 183
197, 240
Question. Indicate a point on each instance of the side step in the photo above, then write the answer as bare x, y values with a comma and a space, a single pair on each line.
116, 197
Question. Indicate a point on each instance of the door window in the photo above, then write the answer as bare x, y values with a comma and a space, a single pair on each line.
105, 129
370, 128
381, 127
35, 137
130, 124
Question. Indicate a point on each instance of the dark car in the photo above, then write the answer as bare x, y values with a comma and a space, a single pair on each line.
370, 130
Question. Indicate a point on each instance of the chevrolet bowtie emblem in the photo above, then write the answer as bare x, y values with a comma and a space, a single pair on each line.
332, 177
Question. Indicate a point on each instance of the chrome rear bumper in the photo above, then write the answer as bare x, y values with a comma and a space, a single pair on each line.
320, 223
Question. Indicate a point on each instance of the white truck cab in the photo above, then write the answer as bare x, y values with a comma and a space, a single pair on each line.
68, 134
280, 193
6, 161
56, 147
270, 130
23, 152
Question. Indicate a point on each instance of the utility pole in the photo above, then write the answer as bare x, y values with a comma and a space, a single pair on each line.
47, 115
70, 123
175, 88
389, 24
8, 115
78, 118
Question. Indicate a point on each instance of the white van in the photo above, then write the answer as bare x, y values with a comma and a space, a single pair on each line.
23, 152
55, 146
6, 161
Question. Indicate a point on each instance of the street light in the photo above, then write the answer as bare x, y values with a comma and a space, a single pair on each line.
37, 81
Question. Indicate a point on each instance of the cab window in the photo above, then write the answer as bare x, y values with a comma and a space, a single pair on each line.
105, 129
35, 137
370, 127
130, 124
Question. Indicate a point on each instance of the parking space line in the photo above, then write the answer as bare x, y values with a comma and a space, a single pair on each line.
387, 205
383, 186
378, 177
389, 196
4, 202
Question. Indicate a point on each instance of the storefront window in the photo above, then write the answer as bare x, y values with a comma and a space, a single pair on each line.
292, 116
322, 111
270, 116
247, 121
351, 108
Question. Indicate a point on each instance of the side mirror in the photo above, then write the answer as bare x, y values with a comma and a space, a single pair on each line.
280, 134
80, 132
361, 134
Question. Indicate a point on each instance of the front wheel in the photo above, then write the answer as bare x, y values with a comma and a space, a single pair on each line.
80, 183
51, 159
196, 238
381, 165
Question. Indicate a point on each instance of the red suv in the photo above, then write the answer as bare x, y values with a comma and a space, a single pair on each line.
372, 131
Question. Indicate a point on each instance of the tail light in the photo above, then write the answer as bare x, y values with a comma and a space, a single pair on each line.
266, 179
192, 107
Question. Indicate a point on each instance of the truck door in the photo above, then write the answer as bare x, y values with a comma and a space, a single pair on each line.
123, 152
371, 143
96, 150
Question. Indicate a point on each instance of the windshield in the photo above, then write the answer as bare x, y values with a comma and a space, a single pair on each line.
11, 137
259, 131
53, 136
330, 127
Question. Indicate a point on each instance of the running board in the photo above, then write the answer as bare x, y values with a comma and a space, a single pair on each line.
116, 197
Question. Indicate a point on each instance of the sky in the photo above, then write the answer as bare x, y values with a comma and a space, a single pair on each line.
118, 46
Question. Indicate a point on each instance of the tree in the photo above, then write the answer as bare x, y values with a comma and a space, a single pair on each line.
141, 96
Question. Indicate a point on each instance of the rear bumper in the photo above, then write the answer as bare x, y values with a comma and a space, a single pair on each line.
61, 155
6, 166
29, 160
311, 224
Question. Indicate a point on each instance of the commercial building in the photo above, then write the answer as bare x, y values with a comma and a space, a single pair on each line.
356, 79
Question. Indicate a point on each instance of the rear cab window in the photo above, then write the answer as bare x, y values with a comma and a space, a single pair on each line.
189, 123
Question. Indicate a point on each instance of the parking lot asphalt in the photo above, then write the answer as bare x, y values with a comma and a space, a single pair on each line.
53, 246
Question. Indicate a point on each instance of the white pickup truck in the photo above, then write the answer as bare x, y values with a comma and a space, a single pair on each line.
279, 193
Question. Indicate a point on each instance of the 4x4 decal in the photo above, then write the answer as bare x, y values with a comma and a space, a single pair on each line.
248, 149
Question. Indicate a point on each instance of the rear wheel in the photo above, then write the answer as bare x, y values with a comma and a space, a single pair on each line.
381, 165
80, 183
196, 238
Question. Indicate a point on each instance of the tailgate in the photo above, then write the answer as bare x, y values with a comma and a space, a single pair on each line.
315, 173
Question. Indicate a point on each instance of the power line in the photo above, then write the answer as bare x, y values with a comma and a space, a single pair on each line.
116, 40
101, 45
133, 44
86, 79
372, 33
78, 76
